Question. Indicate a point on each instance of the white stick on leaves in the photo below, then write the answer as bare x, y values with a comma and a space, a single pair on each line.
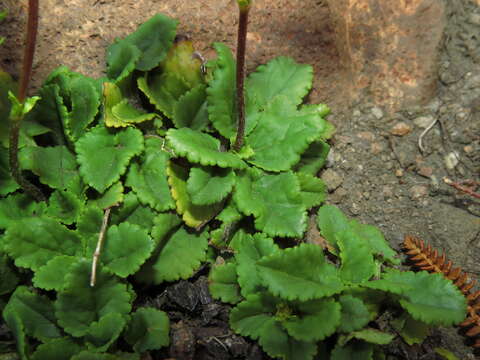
96, 254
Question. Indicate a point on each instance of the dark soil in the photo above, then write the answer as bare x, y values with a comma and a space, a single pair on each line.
376, 171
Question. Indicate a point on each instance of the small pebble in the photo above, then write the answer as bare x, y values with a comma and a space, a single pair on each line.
376, 148
401, 129
355, 209
399, 173
423, 121
451, 160
474, 19
366, 135
377, 112
332, 179
425, 171
387, 192
338, 195
418, 191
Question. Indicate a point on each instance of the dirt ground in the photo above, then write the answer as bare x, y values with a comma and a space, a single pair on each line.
376, 172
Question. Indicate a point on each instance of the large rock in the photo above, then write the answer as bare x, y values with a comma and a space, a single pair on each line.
390, 47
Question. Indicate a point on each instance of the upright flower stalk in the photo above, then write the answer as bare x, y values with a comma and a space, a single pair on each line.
244, 8
20, 107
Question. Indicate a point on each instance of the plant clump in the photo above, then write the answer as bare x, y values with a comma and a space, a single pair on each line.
143, 160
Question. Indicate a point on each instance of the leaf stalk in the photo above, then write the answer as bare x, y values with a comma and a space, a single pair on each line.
15, 120
244, 8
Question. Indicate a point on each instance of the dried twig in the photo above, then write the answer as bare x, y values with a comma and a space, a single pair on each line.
96, 254
422, 135
463, 186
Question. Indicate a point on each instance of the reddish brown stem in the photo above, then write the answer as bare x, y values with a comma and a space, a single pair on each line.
241, 48
462, 188
29, 50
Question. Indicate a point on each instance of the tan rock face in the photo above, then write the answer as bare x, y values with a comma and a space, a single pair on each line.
390, 47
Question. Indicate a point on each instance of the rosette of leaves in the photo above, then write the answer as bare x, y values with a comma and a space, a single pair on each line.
149, 144
298, 301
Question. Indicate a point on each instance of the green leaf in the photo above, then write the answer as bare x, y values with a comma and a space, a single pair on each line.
56, 166
93, 355
118, 111
56, 349
85, 101
313, 159
70, 105
163, 90
51, 276
357, 350
249, 249
32, 242
103, 333
79, 305
8, 276
281, 76
230, 213
7, 183
331, 220
20, 109
64, 206
412, 331
250, 316
148, 177
318, 319
299, 273
444, 353
177, 256
357, 264
111, 197
201, 148
221, 93
314, 190
103, 157
17, 207
164, 226
319, 109
223, 283
88, 225
49, 112
122, 57
282, 134
430, 298
193, 215
148, 329
208, 185
274, 201
372, 336
373, 236
133, 212
14, 323
182, 60
153, 38
127, 246
355, 314
191, 109
35, 312
276, 343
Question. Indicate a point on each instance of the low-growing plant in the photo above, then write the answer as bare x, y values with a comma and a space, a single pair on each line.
299, 301
144, 168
